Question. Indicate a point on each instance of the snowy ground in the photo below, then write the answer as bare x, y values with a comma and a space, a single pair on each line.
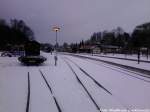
70, 88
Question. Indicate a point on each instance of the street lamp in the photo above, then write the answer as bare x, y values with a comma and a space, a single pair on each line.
56, 29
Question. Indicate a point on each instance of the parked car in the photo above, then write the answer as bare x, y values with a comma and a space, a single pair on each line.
6, 54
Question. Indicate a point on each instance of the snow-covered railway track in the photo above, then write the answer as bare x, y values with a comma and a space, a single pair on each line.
139, 70
28, 96
51, 91
143, 77
128, 59
88, 75
130, 73
80, 82
114, 68
95, 82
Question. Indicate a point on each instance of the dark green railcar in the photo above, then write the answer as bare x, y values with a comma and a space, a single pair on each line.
32, 54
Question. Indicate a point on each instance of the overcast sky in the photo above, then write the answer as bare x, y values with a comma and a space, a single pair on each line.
78, 19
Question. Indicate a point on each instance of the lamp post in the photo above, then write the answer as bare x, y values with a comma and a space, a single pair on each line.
56, 29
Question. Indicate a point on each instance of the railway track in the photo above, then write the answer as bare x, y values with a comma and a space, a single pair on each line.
138, 71
91, 96
86, 90
96, 82
51, 92
119, 69
124, 71
50, 89
123, 58
88, 75
28, 96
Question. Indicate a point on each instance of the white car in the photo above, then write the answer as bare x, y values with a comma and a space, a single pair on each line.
6, 54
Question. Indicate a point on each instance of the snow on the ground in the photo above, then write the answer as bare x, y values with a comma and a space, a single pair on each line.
131, 92
70, 95
13, 89
104, 99
142, 65
41, 99
128, 92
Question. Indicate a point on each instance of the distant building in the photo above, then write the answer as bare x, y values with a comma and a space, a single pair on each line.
109, 48
85, 49
96, 49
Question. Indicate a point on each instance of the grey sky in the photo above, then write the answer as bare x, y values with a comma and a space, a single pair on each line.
78, 19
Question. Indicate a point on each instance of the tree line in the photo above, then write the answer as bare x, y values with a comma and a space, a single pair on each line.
16, 32
127, 42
